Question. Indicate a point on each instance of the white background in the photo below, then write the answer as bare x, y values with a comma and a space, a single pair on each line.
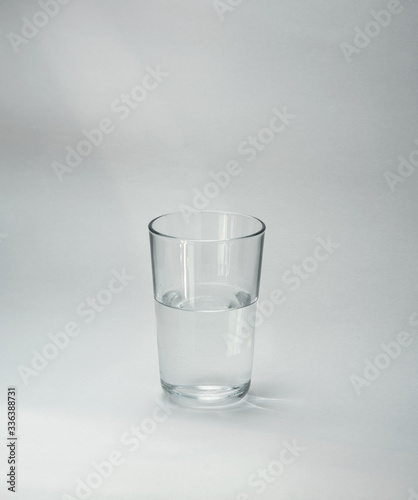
61, 237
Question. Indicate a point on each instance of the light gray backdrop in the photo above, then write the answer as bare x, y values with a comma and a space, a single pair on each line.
180, 89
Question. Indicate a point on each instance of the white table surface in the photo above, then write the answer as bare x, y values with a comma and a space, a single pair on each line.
323, 175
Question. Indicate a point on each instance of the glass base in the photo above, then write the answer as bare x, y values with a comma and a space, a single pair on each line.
206, 396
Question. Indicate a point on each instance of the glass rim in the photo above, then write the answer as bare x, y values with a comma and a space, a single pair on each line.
152, 230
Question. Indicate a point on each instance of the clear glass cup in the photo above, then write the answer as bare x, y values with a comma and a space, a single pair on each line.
206, 276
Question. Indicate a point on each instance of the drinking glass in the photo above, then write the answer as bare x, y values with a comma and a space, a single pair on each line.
206, 275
